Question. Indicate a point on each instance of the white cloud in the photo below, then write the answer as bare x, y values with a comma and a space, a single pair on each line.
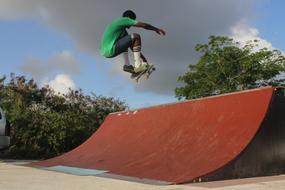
186, 23
64, 62
242, 33
14, 9
62, 83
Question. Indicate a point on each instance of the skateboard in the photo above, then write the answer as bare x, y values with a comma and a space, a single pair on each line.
145, 73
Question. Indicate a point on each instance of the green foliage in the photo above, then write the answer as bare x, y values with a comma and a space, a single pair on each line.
226, 66
45, 124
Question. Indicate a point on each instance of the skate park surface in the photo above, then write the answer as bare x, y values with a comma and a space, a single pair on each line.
216, 141
230, 136
15, 176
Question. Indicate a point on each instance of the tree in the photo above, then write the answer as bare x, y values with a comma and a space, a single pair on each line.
46, 124
227, 66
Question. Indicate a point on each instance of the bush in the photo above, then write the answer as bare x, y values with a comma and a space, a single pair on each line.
46, 124
227, 66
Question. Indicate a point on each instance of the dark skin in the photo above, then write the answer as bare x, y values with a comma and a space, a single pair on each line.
149, 27
136, 41
137, 38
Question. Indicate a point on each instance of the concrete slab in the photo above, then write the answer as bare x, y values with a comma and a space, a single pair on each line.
14, 176
236, 135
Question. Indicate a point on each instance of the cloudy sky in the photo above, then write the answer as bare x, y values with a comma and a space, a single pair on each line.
56, 42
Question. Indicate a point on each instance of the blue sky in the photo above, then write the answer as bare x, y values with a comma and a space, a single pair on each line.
270, 22
26, 38
44, 34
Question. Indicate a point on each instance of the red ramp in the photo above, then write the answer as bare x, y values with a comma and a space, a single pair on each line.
212, 138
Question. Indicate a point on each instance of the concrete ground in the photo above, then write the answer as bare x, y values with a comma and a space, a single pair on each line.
15, 176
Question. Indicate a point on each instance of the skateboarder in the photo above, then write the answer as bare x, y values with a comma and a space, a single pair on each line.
116, 40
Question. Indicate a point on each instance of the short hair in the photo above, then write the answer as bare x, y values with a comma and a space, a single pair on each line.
130, 14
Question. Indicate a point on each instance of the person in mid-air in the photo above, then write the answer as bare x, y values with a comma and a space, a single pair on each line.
116, 41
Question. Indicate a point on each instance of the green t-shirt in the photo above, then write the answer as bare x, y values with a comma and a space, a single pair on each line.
112, 33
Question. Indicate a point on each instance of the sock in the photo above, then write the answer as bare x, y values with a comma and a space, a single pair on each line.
137, 59
137, 56
126, 58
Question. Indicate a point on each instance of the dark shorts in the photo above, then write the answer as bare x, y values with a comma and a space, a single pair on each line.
123, 44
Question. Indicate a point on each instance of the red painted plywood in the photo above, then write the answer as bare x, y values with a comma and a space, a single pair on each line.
175, 142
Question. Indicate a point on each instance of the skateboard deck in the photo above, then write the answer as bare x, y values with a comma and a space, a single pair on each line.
145, 73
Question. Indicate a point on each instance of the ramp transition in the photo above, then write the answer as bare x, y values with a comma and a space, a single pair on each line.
236, 135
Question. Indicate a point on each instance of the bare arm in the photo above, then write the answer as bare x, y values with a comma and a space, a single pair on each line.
149, 27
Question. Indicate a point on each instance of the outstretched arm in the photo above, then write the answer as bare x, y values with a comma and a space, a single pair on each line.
149, 27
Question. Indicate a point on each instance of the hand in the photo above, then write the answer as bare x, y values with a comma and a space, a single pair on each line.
160, 32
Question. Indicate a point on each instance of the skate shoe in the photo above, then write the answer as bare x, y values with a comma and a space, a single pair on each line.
141, 68
128, 68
